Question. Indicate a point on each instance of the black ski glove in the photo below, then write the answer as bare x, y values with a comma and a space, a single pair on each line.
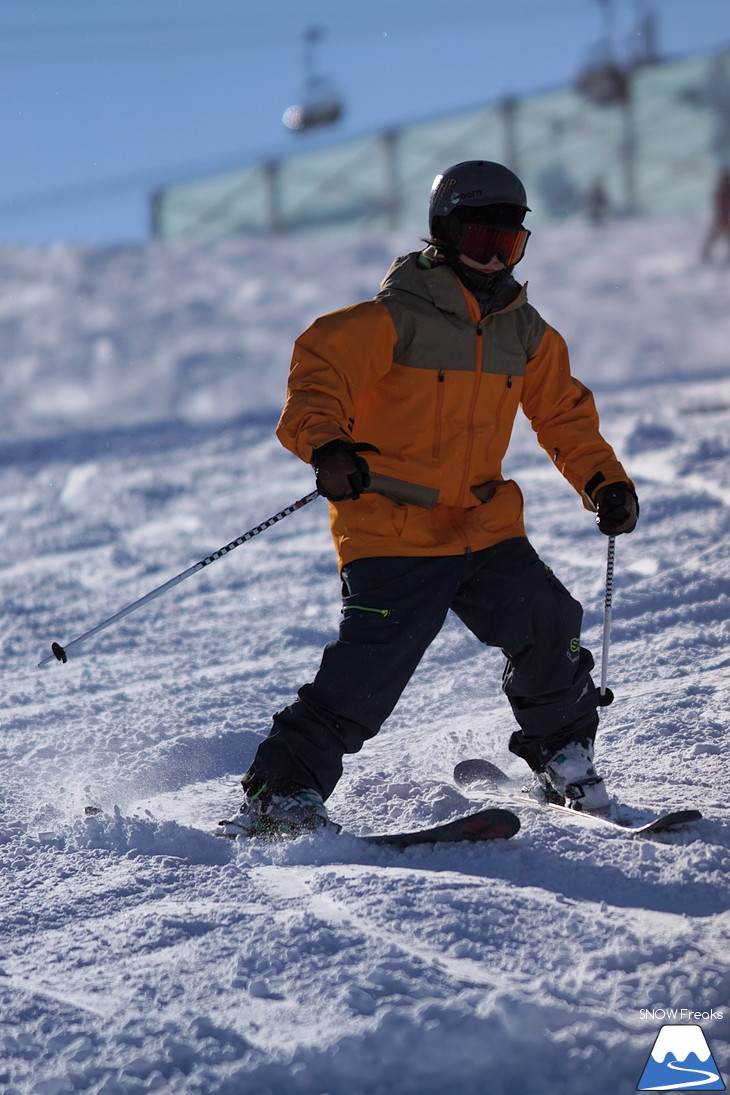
341, 473
617, 509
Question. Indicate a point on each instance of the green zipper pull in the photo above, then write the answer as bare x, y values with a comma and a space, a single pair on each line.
364, 608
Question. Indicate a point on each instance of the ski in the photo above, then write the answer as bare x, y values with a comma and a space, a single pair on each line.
626, 819
493, 823
630, 820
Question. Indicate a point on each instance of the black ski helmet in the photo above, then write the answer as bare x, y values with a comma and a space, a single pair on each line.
475, 183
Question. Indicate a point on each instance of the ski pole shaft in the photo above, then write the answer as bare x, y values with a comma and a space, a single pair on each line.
61, 653
605, 694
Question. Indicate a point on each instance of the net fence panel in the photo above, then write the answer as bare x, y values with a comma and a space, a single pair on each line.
654, 152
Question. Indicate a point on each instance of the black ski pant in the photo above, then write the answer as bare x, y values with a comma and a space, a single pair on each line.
393, 608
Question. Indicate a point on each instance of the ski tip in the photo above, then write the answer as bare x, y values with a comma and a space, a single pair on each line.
492, 824
478, 771
675, 819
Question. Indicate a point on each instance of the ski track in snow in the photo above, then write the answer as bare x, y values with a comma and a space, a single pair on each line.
140, 953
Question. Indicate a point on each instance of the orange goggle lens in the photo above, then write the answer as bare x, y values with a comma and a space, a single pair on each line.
482, 243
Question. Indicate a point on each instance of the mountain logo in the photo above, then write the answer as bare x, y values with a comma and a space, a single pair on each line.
680, 1060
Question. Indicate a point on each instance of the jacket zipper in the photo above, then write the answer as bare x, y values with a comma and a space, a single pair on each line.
502, 400
459, 533
436, 450
500, 405
472, 408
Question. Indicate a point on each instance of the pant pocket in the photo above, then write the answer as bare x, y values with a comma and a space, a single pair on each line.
363, 623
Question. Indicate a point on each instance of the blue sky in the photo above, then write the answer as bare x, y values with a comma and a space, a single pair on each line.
105, 100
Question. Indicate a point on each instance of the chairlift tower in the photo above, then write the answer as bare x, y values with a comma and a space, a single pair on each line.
606, 81
645, 43
320, 104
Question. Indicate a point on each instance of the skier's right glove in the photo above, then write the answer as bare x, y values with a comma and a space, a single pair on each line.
617, 509
341, 473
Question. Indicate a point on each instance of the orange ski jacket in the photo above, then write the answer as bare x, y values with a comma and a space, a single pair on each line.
420, 374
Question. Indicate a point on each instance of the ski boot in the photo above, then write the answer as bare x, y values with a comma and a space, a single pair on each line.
568, 778
279, 817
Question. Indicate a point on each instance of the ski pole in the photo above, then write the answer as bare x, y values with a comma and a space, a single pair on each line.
605, 695
61, 653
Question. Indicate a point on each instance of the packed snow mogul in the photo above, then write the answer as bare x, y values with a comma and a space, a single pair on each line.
404, 406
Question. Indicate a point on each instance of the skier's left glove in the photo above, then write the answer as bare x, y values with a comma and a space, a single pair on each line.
341, 472
617, 509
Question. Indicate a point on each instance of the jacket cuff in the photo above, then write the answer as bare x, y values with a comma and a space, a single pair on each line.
591, 487
337, 445
596, 482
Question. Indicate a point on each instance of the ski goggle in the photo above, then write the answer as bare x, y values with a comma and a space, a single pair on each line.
483, 242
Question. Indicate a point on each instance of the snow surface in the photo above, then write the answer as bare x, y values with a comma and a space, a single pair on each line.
140, 389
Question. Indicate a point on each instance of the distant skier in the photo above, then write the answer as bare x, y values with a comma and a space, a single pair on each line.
404, 405
721, 216
598, 204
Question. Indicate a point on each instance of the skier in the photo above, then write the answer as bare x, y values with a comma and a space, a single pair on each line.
721, 216
404, 406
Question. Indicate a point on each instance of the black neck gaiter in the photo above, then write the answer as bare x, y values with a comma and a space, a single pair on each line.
485, 287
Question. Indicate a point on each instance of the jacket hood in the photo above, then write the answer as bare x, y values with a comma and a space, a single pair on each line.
422, 275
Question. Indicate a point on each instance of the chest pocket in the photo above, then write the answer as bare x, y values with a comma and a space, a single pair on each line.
503, 352
429, 339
